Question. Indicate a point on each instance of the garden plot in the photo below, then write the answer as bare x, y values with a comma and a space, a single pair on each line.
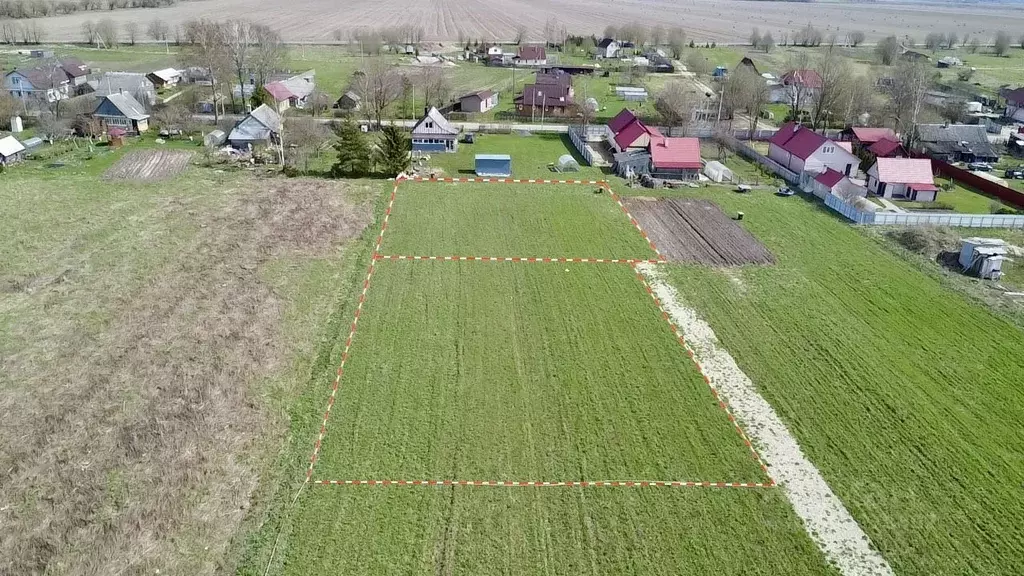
149, 165
520, 220
697, 231
519, 372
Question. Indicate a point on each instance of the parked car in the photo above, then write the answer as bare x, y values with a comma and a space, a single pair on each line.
1017, 173
785, 191
979, 167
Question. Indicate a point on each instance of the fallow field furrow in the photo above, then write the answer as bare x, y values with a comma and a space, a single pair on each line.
511, 220
502, 371
484, 531
906, 396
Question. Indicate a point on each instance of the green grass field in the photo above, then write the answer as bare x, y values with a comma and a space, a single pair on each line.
557, 220
531, 156
547, 372
905, 395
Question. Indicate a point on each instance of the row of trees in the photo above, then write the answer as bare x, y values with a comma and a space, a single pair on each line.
25, 32
40, 8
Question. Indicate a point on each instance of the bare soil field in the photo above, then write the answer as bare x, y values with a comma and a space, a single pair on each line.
697, 231
448, 20
130, 450
149, 165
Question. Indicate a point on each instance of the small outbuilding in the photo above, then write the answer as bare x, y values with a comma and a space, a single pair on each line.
566, 163
164, 77
718, 172
983, 257
11, 150
215, 138
478, 102
494, 165
349, 102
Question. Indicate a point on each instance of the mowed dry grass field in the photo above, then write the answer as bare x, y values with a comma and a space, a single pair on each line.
152, 337
447, 20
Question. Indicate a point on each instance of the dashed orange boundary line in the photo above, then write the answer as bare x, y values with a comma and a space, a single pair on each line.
351, 334
633, 221
544, 484
506, 180
707, 380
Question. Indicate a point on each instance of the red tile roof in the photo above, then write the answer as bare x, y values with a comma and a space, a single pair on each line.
621, 120
805, 78
885, 148
797, 140
279, 91
869, 136
916, 172
532, 53
675, 152
631, 133
830, 177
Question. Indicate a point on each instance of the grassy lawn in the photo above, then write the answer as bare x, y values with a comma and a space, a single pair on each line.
546, 531
902, 393
506, 220
472, 370
964, 200
531, 156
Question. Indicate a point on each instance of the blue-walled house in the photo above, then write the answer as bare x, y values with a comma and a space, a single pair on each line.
434, 133
122, 110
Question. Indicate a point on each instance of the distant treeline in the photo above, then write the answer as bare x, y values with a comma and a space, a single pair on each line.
40, 8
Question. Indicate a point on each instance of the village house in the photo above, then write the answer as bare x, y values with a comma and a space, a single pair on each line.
886, 148
544, 99
134, 83
955, 142
478, 102
76, 71
555, 77
262, 126
747, 63
531, 56
607, 48
164, 77
1014, 104
434, 133
837, 183
675, 158
626, 132
43, 84
802, 84
292, 92
642, 149
801, 149
863, 137
902, 179
349, 102
122, 111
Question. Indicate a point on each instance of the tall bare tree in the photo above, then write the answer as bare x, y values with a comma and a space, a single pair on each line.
755, 38
268, 52
833, 69
675, 103
800, 86
238, 42
906, 96
1001, 43
676, 41
88, 32
131, 31
856, 38
106, 32
208, 51
888, 50
157, 30
380, 85
657, 35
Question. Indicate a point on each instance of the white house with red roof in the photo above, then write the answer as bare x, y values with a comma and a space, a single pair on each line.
801, 149
627, 132
292, 92
832, 182
903, 179
642, 149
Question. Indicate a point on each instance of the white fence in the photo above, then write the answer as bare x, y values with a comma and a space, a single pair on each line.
579, 141
923, 219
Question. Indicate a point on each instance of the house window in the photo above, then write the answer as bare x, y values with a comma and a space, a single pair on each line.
828, 149
429, 124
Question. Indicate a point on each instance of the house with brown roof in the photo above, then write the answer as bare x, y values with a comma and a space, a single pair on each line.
478, 102
544, 99
76, 71
531, 56
801, 149
903, 179
1014, 104
41, 83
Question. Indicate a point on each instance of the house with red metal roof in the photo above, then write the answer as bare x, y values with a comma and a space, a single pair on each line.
801, 149
292, 92
627, 132
864, 136
903, 179
888, 149
675, 158
833, 182
797, 87
531, 56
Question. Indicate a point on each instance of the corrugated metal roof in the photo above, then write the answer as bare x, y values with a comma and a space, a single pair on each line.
9, 146
675, 152
797, 140
493, 157
905, 171
869, 136
621, 120
266, 116
166, 74
830, 177
434, 123
127, 105
114, 82
278, 91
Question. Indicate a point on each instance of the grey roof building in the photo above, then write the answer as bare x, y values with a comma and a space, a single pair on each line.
956, 142
134, 83
434, 133
121, 110
261, 126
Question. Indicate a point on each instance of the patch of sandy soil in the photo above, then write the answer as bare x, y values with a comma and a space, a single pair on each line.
825, 518
131, 453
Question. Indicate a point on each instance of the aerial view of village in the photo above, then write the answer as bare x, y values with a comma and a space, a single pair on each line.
637, 287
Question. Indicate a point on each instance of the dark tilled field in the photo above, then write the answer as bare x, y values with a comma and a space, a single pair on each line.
697, 231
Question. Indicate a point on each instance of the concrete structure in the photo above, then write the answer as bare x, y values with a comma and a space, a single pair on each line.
122, 111
493, 165
983, 257
434, 133
801, 149
478, 102
261, 126
903, 179
11, 150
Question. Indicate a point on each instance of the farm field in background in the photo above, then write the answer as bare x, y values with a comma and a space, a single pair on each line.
523, 220
903, 394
